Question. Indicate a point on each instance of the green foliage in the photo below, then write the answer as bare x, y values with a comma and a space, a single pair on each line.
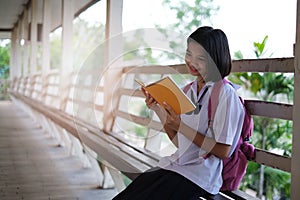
238, 55
269, 134
4, 70
86, 38
55, 49
190, 14
4, 61
259, 47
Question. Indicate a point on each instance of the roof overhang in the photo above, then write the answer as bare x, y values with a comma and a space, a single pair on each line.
12, 10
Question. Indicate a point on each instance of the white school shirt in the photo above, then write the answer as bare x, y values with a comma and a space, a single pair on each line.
189, 159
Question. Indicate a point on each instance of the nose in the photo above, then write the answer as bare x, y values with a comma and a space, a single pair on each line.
193, 62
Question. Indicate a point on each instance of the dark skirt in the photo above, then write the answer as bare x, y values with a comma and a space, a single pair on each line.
160, 184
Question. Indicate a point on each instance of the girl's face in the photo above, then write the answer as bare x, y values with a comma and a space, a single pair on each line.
196, 59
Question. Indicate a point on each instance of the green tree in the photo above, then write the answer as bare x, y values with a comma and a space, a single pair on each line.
187, 15
267, 87
86, 37
190, 14
4, 61
4, 69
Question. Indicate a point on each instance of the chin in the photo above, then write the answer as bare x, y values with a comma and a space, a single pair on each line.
194, 73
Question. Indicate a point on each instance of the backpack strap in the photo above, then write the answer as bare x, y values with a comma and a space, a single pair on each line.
187, 87
213, 102
212, 107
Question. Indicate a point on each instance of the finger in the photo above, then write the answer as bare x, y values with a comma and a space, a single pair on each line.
168, 108
144, 91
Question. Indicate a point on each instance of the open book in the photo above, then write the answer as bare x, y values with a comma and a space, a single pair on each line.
166, 90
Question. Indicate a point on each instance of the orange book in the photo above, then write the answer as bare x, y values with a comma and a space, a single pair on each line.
166, 90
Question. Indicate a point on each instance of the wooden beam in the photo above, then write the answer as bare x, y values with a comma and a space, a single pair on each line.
26, 69
67, 52
12, 60
113, 60
284, 65
273, 160
270, 109
295, 168
45, 37
33, 36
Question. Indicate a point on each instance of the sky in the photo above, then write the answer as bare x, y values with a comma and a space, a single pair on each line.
243, 21
247, 21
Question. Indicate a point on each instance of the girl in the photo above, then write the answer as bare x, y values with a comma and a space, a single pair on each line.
195, 169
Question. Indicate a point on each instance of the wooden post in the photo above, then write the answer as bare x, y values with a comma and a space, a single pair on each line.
26, 44
295, 168
46, 47
13, 54
67, 51
45, 37
33, 37
113, 58
18, 67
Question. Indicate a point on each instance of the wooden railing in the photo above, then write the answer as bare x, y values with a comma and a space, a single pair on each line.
4, 86
135, 141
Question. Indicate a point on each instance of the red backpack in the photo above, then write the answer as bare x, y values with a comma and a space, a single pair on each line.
234, 167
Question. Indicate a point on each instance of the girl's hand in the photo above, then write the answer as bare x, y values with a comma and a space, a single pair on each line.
173, 120
167, 115
150, 101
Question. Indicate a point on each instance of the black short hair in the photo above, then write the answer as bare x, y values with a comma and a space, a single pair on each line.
215, 42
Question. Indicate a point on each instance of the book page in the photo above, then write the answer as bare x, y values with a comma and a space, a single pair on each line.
166, 90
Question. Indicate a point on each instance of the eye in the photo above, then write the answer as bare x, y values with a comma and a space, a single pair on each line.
188, 53
201, 58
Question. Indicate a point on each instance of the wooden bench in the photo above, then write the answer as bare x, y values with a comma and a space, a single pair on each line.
131, 161
113, 147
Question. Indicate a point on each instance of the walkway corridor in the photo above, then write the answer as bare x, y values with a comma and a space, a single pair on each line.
33, 167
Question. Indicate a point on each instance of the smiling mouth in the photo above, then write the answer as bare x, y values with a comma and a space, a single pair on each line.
193, 69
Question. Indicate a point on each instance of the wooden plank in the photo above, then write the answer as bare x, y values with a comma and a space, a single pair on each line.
113, 155
239, 195
295, 172
119, 137
51, 95
85, 87
99, 89
101, 146
122, 144
82, 103
273, 160
130, 92
270, 109
256, 107
284, 65
158, 69
150, 123
98, 107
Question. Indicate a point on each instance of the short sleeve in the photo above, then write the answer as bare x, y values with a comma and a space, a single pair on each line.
228, 120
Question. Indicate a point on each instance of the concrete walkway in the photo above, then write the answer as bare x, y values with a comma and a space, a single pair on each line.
33, 167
